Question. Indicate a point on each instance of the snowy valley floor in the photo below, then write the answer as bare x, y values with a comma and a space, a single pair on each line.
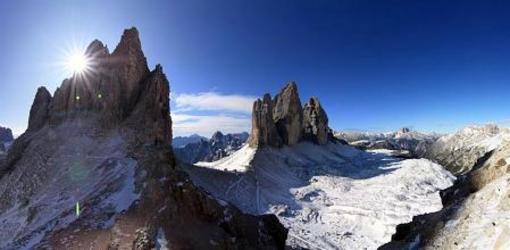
330, 197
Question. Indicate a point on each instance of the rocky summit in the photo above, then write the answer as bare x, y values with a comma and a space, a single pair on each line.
94, 170
283, 121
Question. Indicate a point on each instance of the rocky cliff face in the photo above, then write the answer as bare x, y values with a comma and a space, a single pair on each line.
290, 123
287, 114
315, 122
263, 129
102, 140
39, 112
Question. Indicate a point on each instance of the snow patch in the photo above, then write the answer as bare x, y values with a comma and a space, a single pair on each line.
239, 163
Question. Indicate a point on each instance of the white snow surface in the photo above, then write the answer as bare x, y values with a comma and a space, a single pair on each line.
238, 162
330, 197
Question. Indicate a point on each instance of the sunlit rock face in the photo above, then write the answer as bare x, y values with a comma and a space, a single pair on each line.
287, 114
264, 130
102, 141
289, 123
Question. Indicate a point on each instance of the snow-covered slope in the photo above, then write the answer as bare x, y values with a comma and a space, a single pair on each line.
330, 197
459, 152
482, 221
95, 172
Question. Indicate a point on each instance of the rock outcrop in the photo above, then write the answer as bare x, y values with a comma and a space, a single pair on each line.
40, 110
290, 123
315, 122
287, 114
103, 140
263, 130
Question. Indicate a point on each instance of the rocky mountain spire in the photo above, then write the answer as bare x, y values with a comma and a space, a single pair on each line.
315, 122
282, 121
263, 131
287, 114
112, 90
40, 109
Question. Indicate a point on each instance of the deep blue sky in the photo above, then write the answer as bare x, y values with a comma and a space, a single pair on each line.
375, 65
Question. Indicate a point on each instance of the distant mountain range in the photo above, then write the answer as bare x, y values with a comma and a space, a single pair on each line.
195, 148
181, 141
404, 142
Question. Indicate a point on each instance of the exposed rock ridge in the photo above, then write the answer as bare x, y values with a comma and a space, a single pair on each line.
283, 121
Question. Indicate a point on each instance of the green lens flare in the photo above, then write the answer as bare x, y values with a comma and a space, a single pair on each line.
77, 209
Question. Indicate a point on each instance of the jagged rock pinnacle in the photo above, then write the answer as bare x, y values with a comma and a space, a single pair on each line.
315, 122
40, 109
282, 121
264, 130
287, 114
117, 86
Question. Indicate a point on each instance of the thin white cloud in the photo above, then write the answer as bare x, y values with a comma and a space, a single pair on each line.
213, 101
206, 125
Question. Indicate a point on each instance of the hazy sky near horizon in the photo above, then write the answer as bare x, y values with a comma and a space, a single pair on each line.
375, 65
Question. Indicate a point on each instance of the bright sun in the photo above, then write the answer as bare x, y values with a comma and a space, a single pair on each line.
77, 63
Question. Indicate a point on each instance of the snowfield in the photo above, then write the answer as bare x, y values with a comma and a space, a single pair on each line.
330, 197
